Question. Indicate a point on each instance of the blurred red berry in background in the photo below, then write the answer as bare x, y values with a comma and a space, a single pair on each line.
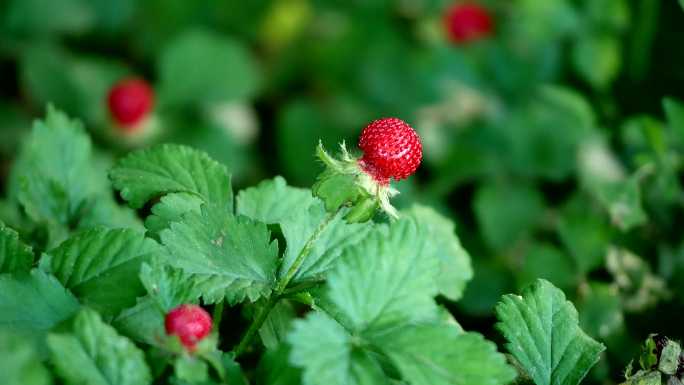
468, 22
130, 101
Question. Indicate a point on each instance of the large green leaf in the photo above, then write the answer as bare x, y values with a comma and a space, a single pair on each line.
147, 174
385, 280
93, 353
101, 267
199, 66
379, 308
455, 269
34, 302
543, 334
325, 350
229, 256
20, 364
299, 214
15, 256
441, 355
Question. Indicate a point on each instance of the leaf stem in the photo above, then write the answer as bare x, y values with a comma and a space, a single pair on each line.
282, 285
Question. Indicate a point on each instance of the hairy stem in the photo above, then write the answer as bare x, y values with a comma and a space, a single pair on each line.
282, 285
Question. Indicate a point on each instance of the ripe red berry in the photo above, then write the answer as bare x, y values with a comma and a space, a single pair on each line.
467, 22
129, 101
391, 149
190, 323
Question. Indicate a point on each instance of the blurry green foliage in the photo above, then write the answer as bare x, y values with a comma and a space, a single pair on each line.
556, 144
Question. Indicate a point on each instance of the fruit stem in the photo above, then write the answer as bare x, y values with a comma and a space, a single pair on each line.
282, 285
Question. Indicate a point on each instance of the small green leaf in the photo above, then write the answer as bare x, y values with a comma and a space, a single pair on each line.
199, 67
33, 303
20, 364
168, 286
299, 214
51, 177
543, 334
147, 174
674, 111
93, 353
143, 322
229, 256
170, 209
622, 199
15, 256
191, 369
597, 58
455, 269
101, 266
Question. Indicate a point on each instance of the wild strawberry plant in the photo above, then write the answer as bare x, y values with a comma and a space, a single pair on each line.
272, 285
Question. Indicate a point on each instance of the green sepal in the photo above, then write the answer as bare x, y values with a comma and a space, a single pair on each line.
344, 183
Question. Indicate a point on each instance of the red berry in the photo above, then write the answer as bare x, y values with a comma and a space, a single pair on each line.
129, 101
391, 149
190, 323
466, 22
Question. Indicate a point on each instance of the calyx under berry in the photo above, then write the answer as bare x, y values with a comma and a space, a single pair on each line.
190, 323
391, 150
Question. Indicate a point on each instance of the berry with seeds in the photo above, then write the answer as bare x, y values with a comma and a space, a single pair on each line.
391, 149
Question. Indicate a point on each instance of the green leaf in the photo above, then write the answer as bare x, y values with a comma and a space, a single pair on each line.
585, 233
380, 298
20, 364
93, 353
191, 369
600, 310
143, 322
325, 350
147, 174
101, 267
385, 280
28, 17
170, 209
622, 199
543, 260
169, 287
277, 325
597, 58
231, 257
674, 112
51, 177
543, 334
299, 214
275, 368
455, 269
15, 256
441, 355
199, 67
507, 212
33, 303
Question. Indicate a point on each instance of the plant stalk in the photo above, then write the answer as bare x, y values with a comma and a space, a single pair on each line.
282, 285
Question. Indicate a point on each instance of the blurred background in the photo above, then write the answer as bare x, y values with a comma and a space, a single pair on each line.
553, 130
